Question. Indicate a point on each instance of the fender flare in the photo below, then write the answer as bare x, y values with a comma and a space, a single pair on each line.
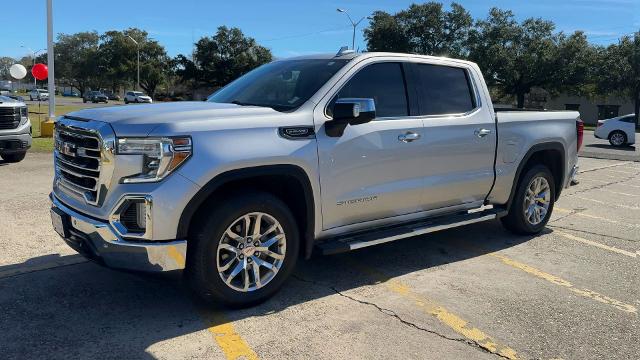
553, 145
208, 189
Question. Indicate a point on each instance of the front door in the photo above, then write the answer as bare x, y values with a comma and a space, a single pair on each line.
373, 170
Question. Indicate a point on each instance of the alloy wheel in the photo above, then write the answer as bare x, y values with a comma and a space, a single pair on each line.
251, 252
537, 200
617, 139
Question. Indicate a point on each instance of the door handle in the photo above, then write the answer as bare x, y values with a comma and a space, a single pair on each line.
482, 132
408, 137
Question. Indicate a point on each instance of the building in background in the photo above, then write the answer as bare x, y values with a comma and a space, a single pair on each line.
591, 110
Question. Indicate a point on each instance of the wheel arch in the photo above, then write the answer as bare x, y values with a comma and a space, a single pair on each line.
551, 154
288, 182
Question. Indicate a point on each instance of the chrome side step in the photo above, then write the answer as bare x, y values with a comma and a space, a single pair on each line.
388, 234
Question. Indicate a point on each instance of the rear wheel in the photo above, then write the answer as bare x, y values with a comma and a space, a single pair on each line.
14, 157
533, 202
244, 250
617, 138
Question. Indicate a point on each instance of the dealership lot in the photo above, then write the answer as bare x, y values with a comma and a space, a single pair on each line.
477, 292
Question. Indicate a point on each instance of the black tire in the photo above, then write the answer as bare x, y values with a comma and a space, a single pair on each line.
136, 101
201, 270
84, 101
126, 101
516, 220
14, 157
618, 132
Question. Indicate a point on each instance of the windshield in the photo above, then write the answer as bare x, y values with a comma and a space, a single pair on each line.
137, 93
281, 85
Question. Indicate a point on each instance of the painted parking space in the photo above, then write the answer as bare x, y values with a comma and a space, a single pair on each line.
478, 292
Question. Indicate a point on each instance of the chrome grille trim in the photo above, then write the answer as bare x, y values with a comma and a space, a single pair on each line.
83, 158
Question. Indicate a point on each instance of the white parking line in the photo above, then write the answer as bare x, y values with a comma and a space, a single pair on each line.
599, 245
608, 203
583, 214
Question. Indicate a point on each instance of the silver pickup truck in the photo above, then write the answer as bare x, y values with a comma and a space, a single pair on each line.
328, 152
15, 130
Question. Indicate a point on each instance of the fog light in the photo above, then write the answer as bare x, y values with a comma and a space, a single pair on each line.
132, 216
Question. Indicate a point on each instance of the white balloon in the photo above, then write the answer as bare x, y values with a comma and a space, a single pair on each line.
18, 71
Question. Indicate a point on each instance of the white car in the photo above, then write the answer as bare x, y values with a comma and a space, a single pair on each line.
619, 130
137, 97
39, 94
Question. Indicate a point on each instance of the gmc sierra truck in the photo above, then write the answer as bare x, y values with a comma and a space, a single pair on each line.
328, 152
15, 130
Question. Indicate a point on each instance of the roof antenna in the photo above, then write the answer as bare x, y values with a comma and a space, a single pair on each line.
344, 50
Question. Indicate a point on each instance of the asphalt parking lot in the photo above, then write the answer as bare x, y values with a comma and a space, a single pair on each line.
478, 292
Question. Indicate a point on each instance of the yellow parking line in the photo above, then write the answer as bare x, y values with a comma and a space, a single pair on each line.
564, 283
580, 213
446, 317
230, 342
598, 245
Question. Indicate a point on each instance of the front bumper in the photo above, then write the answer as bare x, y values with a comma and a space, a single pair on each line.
96, 240
17, 142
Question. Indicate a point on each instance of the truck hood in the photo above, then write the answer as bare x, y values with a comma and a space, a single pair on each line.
140, 120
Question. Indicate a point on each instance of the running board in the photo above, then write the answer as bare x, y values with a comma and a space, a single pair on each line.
383, 235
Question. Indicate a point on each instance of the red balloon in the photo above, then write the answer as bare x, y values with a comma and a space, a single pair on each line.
40, 71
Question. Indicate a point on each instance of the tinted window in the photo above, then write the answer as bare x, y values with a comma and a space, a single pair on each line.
443, 90
384, 83
629, 119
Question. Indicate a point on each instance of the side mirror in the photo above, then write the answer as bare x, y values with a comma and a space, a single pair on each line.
350, 111
354, 111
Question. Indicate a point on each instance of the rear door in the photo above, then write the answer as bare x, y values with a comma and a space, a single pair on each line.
459, 134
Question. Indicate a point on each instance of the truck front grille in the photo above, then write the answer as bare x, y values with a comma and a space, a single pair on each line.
78, 161
9, 117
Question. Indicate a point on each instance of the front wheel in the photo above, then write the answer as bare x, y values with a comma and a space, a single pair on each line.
14, 157
533, 202
126, 101
244, 250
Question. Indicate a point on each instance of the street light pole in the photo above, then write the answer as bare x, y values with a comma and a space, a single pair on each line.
354, 24
50, 60
138, 47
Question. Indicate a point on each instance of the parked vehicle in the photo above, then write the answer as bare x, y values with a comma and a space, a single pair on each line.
230, 189
70, 93
620, 131
95, 97
15, 130
136, 97
39, 94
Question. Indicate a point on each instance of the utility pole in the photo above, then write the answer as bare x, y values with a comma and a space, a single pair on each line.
354, 24
138, 46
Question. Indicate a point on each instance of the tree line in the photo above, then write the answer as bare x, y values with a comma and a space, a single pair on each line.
89, 60
515, 56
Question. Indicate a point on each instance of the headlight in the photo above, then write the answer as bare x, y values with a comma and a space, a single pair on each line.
24, 115
160, 156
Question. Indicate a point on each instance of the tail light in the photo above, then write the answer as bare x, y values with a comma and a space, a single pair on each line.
579, 132
600, 123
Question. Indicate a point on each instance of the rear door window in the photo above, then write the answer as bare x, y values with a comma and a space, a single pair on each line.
443, 90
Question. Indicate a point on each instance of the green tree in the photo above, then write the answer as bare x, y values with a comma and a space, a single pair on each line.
422, 28
6, 63
620, 67
515, 57
77, 59
223, 57
119, 59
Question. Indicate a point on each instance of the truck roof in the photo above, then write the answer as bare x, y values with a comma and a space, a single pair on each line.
365, 55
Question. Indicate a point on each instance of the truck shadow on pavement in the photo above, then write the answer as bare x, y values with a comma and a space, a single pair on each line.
82, 310
611, 147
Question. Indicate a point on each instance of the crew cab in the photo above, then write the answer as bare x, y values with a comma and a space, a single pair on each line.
326, 153
15, 130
